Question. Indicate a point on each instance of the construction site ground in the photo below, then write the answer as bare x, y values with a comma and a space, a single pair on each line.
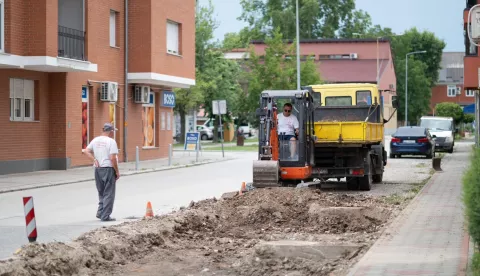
280, 231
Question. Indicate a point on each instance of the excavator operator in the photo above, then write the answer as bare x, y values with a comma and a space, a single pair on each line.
288, 127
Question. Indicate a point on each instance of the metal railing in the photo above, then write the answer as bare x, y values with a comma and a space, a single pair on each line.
71, 43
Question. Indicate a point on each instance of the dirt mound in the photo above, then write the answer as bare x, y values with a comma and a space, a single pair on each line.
221, 235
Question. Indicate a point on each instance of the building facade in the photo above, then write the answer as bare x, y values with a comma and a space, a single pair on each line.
449, 87
346, 61
69, 66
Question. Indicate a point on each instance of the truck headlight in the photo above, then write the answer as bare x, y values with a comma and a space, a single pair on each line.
449, 139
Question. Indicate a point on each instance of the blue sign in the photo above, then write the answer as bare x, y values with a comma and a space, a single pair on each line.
191, 140
84, 92
168, 99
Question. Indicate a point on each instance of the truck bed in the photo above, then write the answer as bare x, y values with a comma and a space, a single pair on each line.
348, 132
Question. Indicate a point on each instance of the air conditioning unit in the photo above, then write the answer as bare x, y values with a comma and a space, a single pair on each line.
109, 91
142, 94
353, 55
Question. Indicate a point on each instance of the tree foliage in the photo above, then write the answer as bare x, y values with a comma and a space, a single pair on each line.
274, 70
215, 76
448, 109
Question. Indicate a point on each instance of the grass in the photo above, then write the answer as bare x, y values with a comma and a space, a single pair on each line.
396, 199
234, 148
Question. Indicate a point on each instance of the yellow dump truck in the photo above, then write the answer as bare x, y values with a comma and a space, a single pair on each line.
349, 133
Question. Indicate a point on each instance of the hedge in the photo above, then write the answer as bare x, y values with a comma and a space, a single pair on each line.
471, 199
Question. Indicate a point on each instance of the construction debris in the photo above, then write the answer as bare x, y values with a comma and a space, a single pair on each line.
270, 231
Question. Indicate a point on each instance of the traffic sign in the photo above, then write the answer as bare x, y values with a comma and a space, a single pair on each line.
219, 107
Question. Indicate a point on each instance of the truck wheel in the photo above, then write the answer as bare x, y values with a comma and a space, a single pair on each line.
352, 183
377, 178
450, 150
365, 182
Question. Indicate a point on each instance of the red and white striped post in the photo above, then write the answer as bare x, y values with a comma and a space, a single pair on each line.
30, 218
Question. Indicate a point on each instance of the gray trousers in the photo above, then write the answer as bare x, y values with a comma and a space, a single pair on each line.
105, 179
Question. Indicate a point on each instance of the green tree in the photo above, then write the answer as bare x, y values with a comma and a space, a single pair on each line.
448, 109
468, 118
275, 70
319, 19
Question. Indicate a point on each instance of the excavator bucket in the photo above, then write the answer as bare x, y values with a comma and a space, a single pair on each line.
265, 173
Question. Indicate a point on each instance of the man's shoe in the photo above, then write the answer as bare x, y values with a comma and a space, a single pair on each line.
109, 219
98, 216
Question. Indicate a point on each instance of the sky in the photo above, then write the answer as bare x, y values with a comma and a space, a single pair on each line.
442, 17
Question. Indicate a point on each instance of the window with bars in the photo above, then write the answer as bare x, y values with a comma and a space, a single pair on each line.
22, 99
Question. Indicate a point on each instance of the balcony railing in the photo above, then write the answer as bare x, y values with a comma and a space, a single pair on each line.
71, 43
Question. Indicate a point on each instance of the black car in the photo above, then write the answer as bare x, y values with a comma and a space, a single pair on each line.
412, 140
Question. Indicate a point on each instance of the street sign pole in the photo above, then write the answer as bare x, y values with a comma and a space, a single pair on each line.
221, 127
219, 107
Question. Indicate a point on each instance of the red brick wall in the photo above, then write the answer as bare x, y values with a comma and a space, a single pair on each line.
148, 34
439, 95
24, 140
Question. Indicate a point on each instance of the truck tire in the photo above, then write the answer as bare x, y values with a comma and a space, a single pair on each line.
377, 178
365, 182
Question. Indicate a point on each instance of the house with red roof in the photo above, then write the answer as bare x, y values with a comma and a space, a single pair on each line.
347, 61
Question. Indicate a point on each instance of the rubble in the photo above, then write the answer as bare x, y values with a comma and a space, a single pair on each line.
237, 235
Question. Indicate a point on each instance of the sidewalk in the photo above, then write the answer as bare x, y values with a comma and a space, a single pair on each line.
428, 237
181, 159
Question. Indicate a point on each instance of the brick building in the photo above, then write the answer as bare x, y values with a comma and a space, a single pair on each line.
62, 76
345, 61
449, 87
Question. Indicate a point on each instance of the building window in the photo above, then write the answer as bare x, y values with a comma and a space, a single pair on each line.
173, 37
469, 93
22, 100
113, 28
2, 26
148, 122
452, 91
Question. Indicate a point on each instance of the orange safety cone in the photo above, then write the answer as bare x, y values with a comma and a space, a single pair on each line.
243, 188
149, 213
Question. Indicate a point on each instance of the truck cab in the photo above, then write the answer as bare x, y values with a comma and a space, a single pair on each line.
442, 130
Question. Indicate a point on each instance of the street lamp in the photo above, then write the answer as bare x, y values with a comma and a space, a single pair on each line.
406, 82
298, 48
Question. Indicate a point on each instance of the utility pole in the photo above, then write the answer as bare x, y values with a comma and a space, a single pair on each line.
298, 49
406, 82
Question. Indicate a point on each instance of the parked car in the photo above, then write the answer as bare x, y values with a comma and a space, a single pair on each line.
444, 130
412, 140
205, 132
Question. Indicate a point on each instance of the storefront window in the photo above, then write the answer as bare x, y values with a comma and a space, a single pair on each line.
148, 122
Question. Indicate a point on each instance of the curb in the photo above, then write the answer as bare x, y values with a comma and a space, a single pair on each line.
128, 173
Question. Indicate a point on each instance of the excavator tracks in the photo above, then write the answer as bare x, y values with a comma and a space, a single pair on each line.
265, 173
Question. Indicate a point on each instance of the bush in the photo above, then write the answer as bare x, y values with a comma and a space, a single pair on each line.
471, 198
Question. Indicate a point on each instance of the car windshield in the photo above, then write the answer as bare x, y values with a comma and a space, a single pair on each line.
410, 131
436, 124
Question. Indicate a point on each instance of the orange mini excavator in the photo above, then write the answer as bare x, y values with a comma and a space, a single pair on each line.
283, 162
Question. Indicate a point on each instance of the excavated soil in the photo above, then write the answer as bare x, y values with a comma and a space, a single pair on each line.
219, 237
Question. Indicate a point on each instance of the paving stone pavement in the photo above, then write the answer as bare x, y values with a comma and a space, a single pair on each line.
429, 237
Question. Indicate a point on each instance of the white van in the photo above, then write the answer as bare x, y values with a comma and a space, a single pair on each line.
442, 129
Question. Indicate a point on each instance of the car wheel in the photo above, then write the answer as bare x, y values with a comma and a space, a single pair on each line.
204, 137
429, 156
392, 155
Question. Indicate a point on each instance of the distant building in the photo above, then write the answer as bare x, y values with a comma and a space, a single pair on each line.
449, 87
347, 60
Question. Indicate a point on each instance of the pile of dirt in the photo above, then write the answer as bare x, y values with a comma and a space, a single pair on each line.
214, 236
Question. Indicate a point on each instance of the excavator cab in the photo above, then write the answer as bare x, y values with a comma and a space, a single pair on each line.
282, 160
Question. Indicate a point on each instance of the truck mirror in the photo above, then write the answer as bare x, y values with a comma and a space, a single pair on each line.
394, 101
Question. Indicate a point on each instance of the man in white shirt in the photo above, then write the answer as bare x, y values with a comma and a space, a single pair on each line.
103, 151
287, 127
